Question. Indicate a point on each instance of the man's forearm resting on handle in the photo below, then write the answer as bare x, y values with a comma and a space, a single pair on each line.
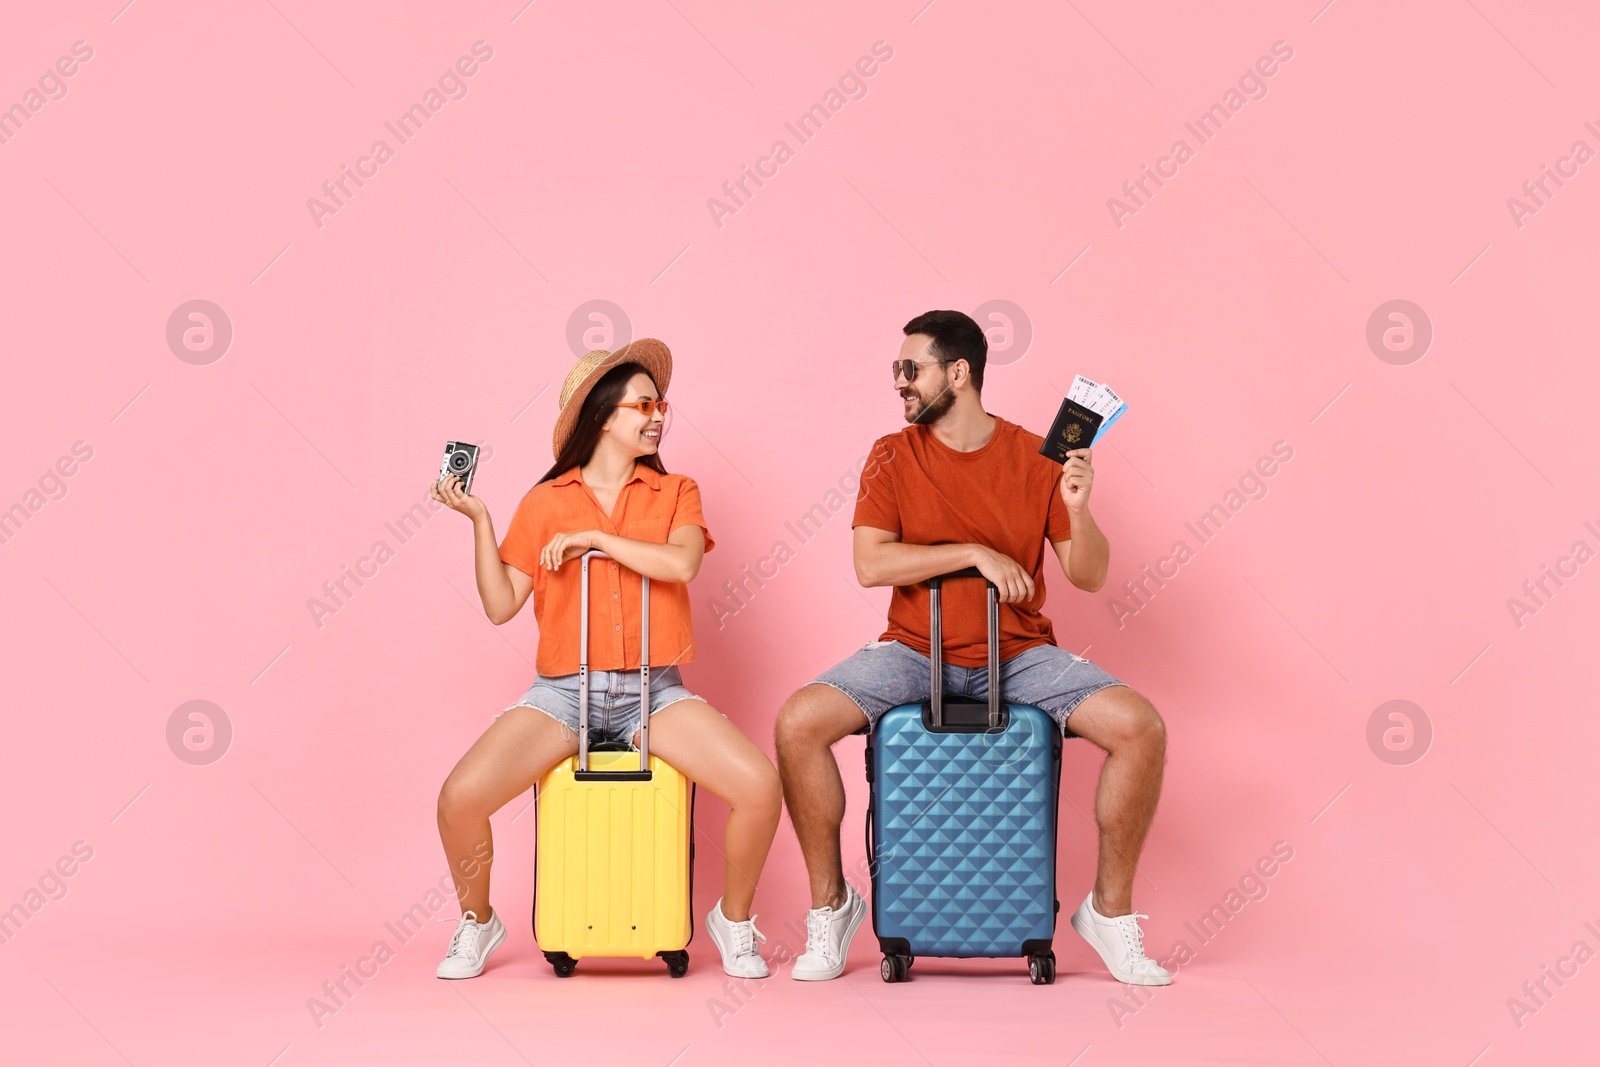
883, 559
897, 563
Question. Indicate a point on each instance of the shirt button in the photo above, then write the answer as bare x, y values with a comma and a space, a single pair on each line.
613, 565
619, 627
616, 596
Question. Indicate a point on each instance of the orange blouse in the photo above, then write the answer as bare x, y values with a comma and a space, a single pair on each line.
649, 507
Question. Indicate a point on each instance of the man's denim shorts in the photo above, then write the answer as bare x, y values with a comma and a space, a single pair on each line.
613, 700
886, 674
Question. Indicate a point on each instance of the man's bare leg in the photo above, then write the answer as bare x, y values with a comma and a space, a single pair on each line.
1134, 737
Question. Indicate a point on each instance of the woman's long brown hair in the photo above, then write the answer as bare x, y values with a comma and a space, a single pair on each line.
597, 407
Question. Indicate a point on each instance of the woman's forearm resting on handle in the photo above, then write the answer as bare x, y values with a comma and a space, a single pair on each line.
676, 561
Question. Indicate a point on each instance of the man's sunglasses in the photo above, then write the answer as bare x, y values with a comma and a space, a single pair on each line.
646, 408
907, 368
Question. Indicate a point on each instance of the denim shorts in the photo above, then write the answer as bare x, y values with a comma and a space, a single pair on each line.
886, 674
613, 700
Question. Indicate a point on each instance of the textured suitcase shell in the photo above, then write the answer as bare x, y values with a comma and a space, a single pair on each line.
963, 835
613, 860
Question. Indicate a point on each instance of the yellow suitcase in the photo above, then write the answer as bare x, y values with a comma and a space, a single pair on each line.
614, 857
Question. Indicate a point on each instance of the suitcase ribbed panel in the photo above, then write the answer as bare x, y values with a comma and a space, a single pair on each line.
964, 826
613, 864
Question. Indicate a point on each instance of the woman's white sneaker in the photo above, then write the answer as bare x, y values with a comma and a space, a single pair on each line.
470, 946
828, 934
1120, 943
737, 943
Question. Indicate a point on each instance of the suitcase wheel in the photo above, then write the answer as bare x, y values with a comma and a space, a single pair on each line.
1042, 969
564, 964
677, 963
896, 968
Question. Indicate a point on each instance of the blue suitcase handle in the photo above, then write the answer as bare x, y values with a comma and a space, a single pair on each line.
997, 711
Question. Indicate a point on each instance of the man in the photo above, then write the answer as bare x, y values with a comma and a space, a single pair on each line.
962, 488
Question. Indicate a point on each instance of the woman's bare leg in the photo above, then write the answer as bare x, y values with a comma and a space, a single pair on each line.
699, 741
510, 757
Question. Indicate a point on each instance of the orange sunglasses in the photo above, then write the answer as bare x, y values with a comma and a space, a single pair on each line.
646, 408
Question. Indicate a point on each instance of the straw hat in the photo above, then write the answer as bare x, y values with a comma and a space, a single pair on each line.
648, 352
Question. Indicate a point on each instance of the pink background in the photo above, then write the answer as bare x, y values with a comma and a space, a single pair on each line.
1231, 310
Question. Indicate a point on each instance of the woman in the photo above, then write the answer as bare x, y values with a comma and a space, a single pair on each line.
608, 490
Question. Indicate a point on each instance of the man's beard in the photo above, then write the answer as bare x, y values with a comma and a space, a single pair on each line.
931, 411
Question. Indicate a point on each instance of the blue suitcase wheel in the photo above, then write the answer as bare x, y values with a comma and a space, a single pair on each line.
1042, 969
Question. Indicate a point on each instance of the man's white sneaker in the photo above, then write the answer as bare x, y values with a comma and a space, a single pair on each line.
1120, 943
470, 946
737, 943
828, 934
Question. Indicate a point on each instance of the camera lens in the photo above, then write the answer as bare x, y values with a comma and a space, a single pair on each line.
460, 461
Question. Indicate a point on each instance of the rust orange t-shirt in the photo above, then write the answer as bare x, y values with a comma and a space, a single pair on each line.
650, 506
1004, 495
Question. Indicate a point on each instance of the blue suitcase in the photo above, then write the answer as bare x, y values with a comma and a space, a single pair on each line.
961, 825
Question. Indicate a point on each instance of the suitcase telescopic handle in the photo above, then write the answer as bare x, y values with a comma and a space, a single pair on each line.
936, 641
584, 773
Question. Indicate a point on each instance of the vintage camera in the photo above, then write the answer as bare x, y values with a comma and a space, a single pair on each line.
460, 459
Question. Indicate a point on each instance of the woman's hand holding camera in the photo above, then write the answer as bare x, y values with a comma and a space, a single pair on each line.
448, 491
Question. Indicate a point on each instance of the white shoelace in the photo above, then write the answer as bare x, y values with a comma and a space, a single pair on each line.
817, 923
745, 936
1131, 934
464, 942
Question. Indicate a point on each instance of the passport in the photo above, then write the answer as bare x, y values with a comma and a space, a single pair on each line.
1089, 410
1075, 427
